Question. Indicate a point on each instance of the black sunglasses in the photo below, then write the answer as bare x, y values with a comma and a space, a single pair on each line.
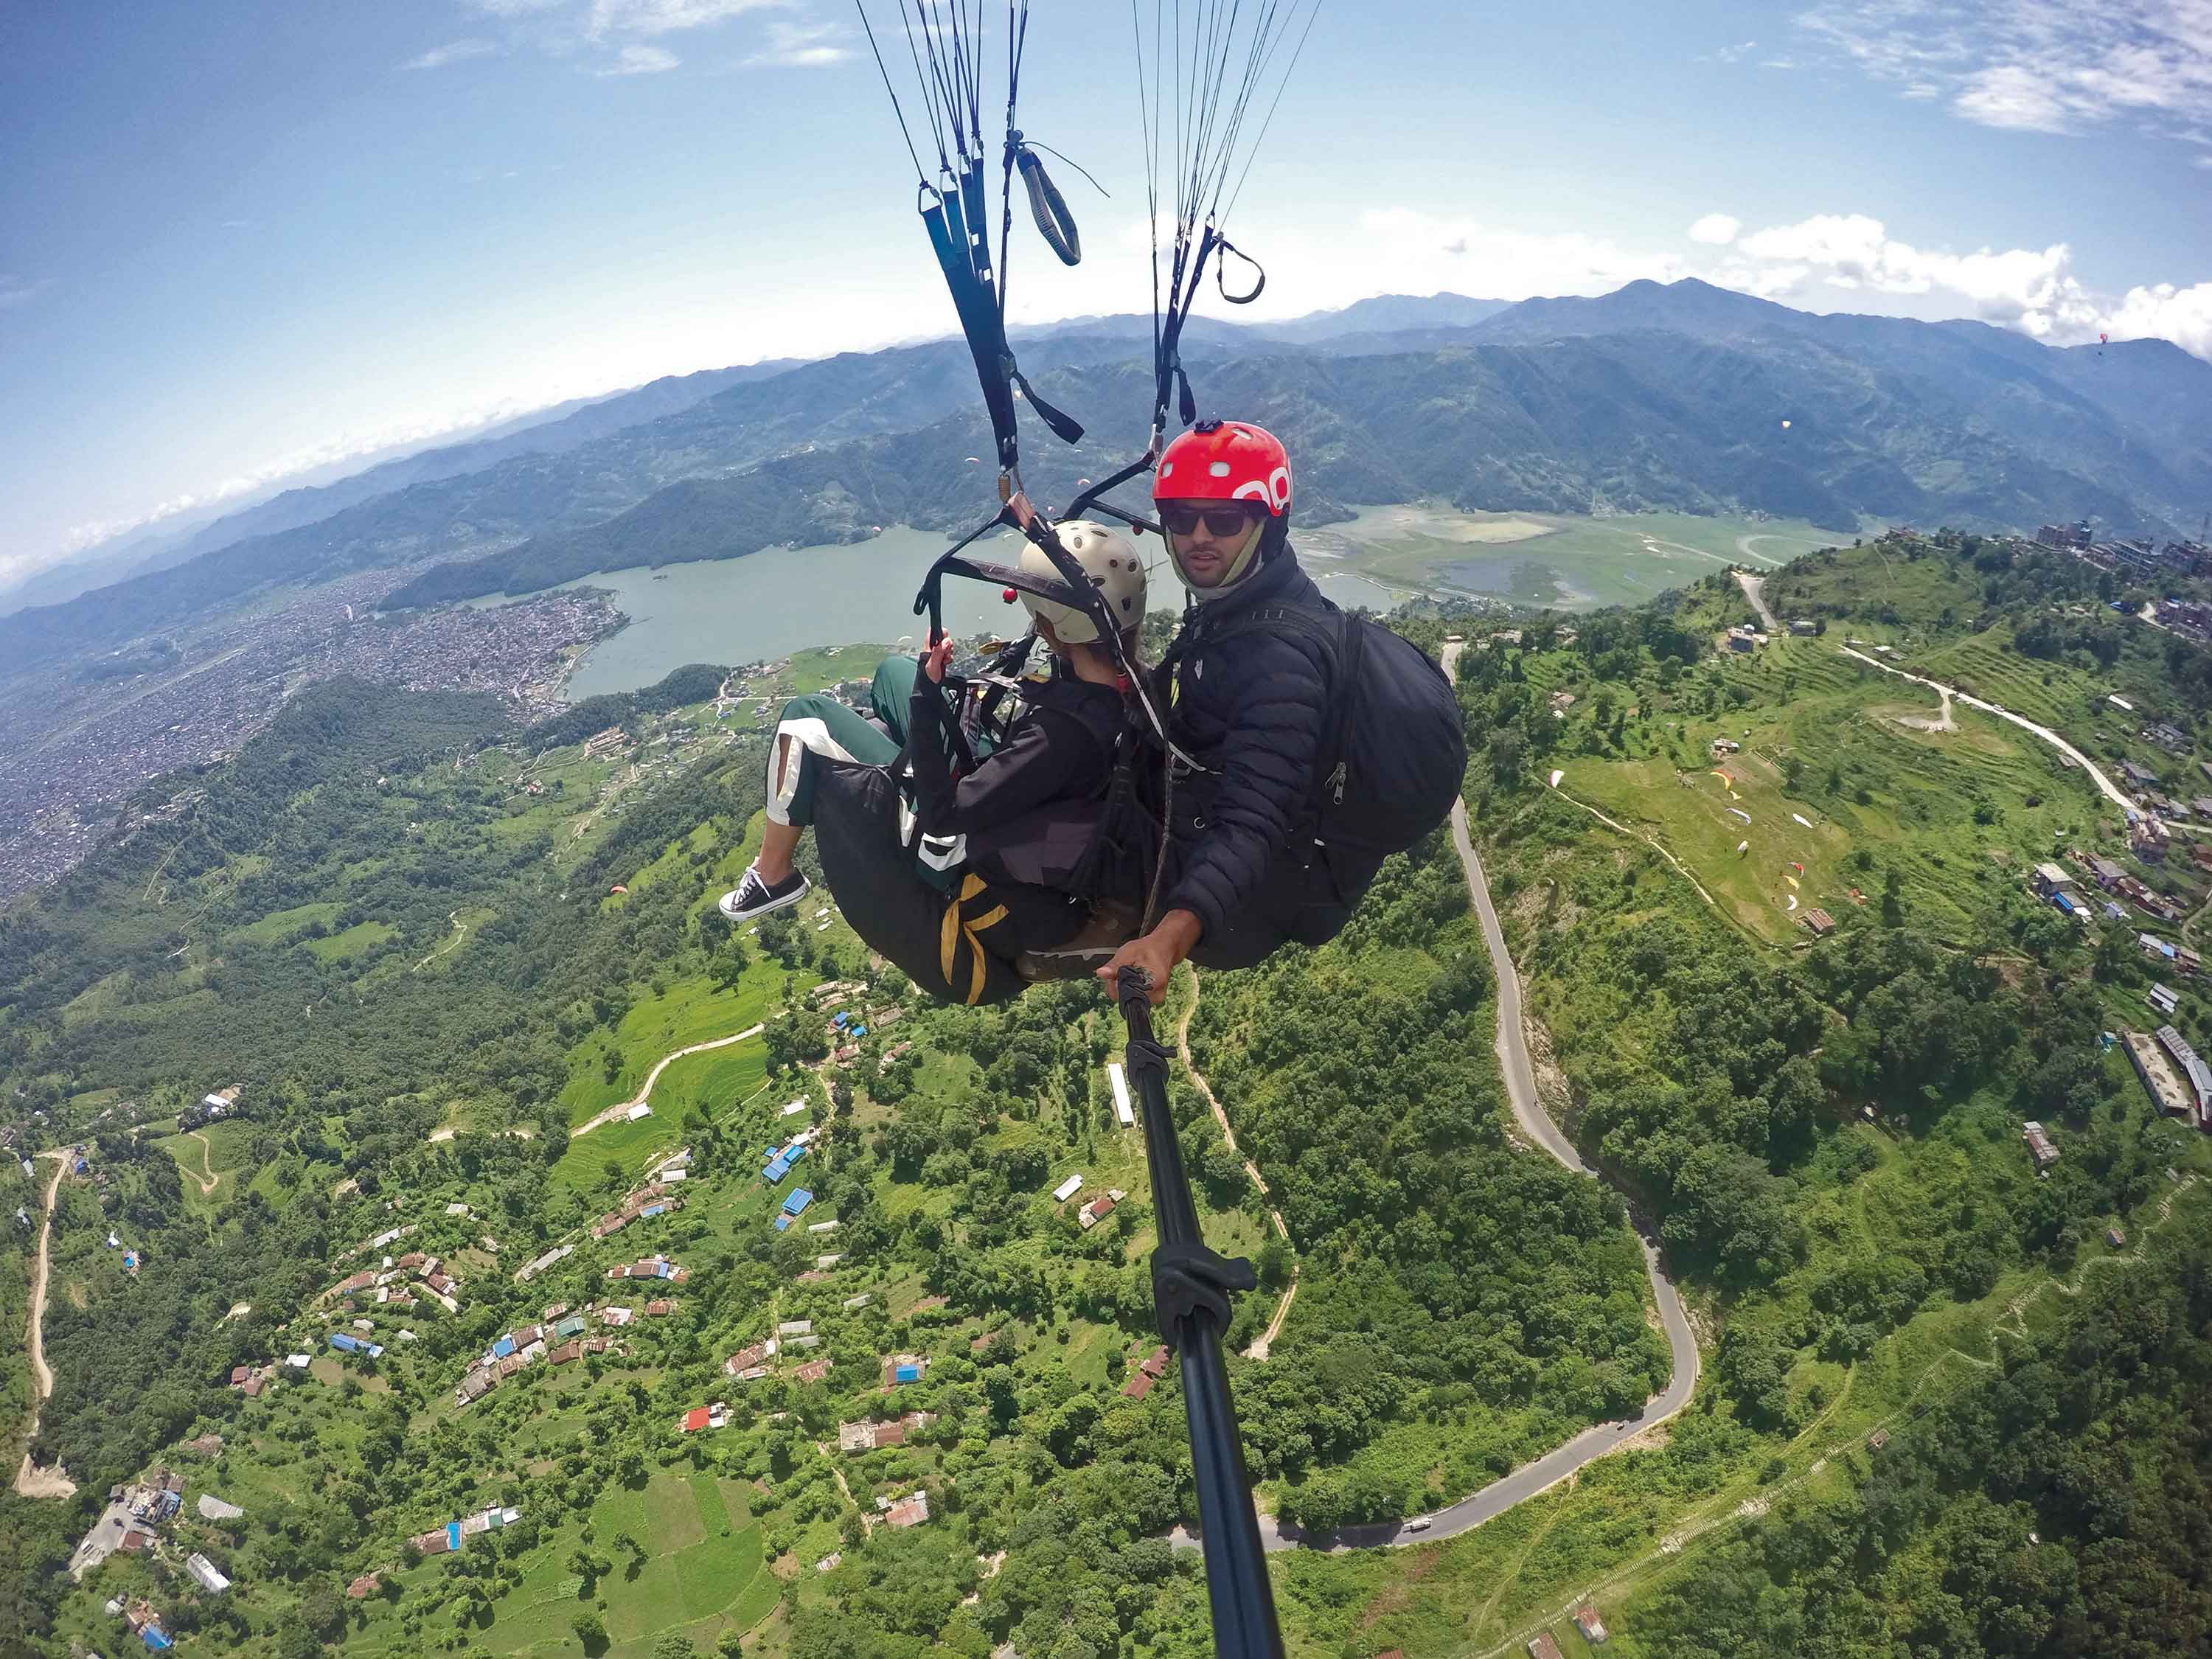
1224, 521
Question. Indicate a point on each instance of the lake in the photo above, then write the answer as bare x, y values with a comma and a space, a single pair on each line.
782, 600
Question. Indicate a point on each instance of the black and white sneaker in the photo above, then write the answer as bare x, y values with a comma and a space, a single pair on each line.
754, 897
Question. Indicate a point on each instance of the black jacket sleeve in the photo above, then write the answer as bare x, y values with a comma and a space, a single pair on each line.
1043, 758
1275, 731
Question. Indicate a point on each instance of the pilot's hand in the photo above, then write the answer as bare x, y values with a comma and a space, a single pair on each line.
1155, 954
935, 660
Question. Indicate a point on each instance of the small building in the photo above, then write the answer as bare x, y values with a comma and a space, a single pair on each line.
364, 1587
1095, 1211
812, 1371
1067, 1190
797, 1203
1118, 1080
2194, 1070
2050, 879
2040, 1145
795, 1327
2116, 1238
1878, 1439
1543, 1647
1592, 1627
908, 1511
1818, 923
2164, 1000
206, 1574
566, 1352
1723, 746
660, 1308
745, 1359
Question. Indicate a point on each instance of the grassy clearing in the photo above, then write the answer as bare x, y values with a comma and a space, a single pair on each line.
357, 940
278, 926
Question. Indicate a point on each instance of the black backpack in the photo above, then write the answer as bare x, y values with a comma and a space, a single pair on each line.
1391, 763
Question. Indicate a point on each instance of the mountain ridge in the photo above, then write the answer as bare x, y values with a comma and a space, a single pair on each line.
1659, 396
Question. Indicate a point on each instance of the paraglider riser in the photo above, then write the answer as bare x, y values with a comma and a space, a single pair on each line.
1191, 1287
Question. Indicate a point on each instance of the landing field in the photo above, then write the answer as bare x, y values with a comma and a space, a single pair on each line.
1567, 560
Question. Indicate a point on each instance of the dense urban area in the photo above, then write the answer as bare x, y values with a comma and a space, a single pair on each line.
77, 744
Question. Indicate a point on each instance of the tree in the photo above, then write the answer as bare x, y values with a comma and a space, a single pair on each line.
674, 1645
591, 1629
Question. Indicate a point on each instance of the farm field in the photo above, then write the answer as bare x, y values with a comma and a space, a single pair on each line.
1563, 561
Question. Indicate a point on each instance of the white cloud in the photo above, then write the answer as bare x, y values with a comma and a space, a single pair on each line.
2167, 313
1763, 281
454, 52
1734, 54
2202, 161
665, 16
21, 290
642, 60
2036, 65
1778, 62
801, 45
2034, 291
1719, 228
511, 7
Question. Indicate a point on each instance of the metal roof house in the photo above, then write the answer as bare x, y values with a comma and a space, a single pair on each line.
1067, 1190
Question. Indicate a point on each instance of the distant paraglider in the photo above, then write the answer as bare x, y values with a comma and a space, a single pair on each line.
1786, 426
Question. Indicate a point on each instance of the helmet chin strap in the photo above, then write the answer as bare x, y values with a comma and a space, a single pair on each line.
1241, 564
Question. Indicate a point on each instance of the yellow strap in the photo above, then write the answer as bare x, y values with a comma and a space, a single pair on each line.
955, 928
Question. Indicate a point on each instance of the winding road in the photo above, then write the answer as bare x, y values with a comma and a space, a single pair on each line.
1754, 589
1592, 1444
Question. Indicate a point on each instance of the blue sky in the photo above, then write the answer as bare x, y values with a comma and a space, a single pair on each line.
247, 237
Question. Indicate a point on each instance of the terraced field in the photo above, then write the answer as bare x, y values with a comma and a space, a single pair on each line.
1949, 812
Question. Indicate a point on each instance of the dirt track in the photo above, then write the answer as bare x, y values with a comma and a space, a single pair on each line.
31, 1481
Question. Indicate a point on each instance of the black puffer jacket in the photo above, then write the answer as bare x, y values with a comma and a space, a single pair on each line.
1253, 711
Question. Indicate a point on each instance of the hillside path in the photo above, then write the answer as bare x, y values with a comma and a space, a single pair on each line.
645, 1093
31, 1481
1592, 1444
1266, 1340
2112, 790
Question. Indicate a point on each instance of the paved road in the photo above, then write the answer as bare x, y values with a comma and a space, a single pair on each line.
1754, 589
1592, 1444
2112, 791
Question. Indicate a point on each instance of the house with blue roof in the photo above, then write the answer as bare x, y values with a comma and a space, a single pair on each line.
797, 1203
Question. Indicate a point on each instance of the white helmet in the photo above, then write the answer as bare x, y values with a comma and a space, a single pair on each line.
1110, 559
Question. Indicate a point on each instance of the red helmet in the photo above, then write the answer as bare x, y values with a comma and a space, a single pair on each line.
1226, 461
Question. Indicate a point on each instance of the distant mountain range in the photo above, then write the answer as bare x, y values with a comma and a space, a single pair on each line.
1653, 397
